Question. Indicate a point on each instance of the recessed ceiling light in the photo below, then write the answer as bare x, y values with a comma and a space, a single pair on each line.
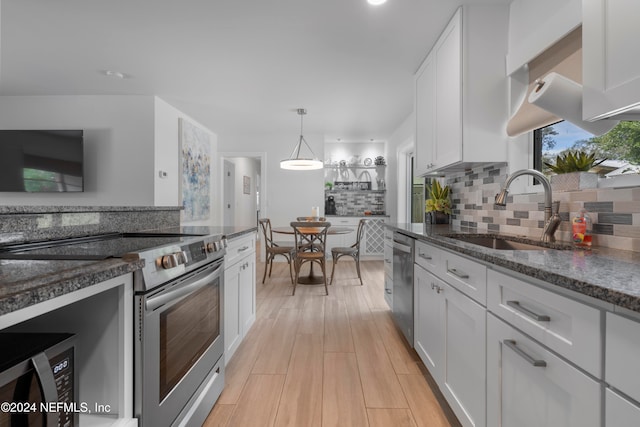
376, 2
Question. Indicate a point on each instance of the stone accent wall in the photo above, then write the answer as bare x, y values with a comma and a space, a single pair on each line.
615, 211
354, 203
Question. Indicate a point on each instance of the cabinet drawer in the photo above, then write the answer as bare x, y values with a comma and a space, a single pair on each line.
239, 247
466, 275
527, 385
619, 412
568, 327
622, 355
427, 256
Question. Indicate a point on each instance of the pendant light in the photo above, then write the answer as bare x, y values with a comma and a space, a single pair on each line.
295, 162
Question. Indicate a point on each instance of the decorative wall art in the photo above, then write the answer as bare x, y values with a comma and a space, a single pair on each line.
195, 165
246, 185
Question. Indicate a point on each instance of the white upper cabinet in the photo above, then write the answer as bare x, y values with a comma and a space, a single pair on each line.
611, 64
461, 103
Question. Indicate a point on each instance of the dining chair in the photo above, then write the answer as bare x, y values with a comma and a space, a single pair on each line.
308, 219
352, 251
310, 238
272, 249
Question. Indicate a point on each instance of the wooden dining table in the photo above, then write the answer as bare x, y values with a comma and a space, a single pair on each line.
311, 279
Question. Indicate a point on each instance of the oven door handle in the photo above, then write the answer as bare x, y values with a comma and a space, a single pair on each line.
48, 384
159, 300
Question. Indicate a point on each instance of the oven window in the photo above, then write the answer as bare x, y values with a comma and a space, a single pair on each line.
186, 331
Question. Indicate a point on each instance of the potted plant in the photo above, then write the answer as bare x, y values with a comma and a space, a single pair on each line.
438, 205
572, 171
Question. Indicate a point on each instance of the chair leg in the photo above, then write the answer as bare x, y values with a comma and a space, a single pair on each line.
271, 265
357, 259
333, 267
295, 282
324, 275
290, 261
266, 265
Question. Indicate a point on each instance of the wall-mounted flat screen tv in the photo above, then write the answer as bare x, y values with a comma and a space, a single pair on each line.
41, 161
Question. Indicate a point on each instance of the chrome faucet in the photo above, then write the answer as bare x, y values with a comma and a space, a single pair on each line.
551, 221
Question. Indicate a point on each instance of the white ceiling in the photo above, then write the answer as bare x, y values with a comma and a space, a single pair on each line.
237, 66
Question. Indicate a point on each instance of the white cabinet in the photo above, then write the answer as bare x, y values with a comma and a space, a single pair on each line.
610, 64
388, 266
568, 327
450, 331
372, 244
527, 385
425, 112
622, 354
461, 93
620, 412
101, 317
239, 291
428, 320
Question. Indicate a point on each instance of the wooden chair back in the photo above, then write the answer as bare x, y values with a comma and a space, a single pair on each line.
310, 234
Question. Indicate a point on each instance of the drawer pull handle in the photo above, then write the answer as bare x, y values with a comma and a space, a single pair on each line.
388, 291
244, 248
457, 273
535, 362
425, 256
535, 316
387, 260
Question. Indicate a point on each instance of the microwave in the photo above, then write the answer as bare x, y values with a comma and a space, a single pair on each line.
38, 382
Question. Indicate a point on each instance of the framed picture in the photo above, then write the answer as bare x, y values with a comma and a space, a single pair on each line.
246, 185
195, 170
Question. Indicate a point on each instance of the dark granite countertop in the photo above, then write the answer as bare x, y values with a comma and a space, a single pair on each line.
606, 274
27, 282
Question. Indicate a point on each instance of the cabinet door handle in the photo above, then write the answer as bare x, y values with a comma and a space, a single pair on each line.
457, 273
535, 362
425, 256
388, 291
387, 260
535, 316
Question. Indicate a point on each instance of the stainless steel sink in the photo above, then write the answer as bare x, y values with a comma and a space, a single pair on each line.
505, 243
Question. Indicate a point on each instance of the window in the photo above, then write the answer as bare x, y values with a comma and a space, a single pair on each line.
620, 146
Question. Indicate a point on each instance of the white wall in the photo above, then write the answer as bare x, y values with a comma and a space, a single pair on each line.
288, 194
397, 192
118, 149
245, 204
167, 159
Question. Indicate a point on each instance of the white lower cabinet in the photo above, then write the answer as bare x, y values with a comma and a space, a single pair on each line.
239, 292
620, 412
527, 385
450, 331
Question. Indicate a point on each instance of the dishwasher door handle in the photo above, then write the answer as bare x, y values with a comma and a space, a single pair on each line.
401, 247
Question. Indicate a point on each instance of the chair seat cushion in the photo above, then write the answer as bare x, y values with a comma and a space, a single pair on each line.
281, 249
345, 251
310, 255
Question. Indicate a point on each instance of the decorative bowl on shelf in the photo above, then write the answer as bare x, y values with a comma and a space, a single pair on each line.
368, 161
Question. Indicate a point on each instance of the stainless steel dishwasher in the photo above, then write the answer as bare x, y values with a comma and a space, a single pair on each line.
403, 284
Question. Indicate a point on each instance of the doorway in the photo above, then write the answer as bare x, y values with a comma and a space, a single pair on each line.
228, 193
244, 186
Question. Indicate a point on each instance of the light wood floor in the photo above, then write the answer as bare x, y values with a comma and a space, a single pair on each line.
336, 360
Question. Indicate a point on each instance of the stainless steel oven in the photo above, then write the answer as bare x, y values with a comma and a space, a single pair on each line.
178, 360
179, 336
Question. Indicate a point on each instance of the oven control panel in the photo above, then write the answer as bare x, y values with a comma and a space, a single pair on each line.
196, 252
